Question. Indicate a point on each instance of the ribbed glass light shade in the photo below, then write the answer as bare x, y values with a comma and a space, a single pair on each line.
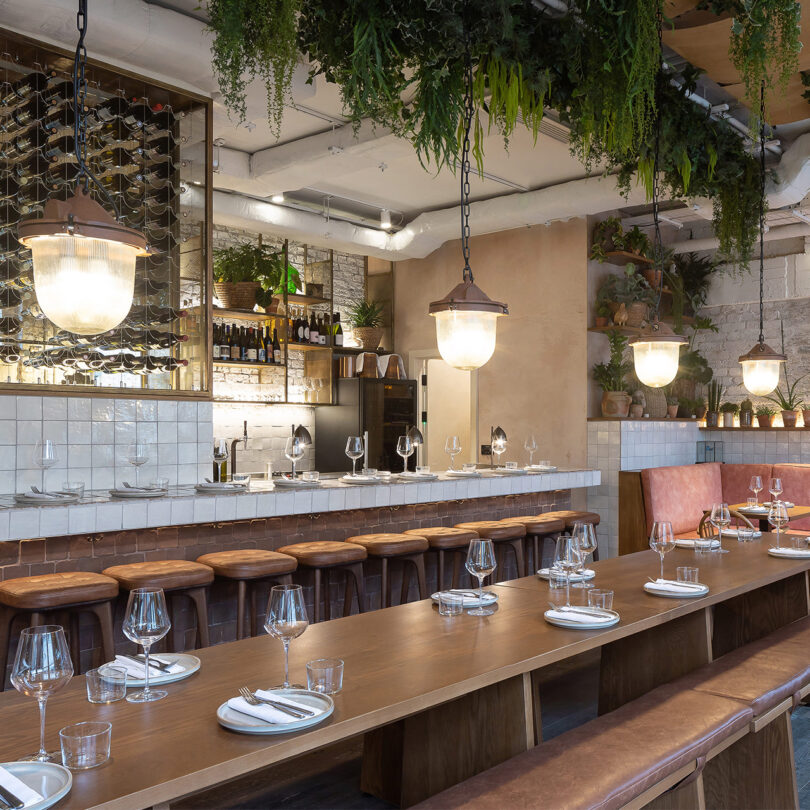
760, 377
656, 362
466, 338
84, 285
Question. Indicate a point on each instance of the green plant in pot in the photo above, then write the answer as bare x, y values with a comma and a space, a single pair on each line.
787, 399
241, 272
607, 237
699, 407
628, 296
714, 393
638, 401
746, 413
765, 415
729, 410
603, 314
366, 318
636, 241
611, 377
673, 402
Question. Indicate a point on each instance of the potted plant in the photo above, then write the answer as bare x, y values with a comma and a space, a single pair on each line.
628, 288
637, 404
700, 407
695, 274
606, 238
366, 319
610, 377
728, 409
788, 400
746, 413
242, 271
765, 415
672, 406
806, 418
602, 315
636, 241
714, 393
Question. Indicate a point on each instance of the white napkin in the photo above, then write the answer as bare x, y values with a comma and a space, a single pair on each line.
361, 477
732, 532
578, 616
690, 543
789, 552
467, 600
787, 504
139, 670
19, 788
671, 586
589, 573
268, 713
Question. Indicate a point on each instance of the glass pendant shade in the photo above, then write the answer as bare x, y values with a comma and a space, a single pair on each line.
656, 355
761, 367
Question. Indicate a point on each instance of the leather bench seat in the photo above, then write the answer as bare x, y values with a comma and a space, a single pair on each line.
443, 537
495, 530
248, 563
609, 761
170, 575
389, 544
48, 591
539, 524
324, 553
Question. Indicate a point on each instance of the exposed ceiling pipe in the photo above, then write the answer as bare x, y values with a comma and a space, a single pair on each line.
712, 243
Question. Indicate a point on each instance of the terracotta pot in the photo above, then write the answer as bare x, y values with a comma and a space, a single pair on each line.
789, 419
636, 411
272, 307
672, 411
237, 294
806, 416
600, 321
700, 412
615, 403
369, 336
764, 421
637, 313
728, 420
711, 419
746, 418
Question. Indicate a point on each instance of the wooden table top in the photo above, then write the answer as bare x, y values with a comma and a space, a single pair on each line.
794, 512
399, 661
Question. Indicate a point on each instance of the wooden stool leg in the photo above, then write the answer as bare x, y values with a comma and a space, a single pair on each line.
440, 571
520, 556
200, 599
385, 594
356, 571
348, 593
406, 581
104, 614
327, 595
251, 597
455, 581
241, 594
317, 596
72, 617
418, 561
7, 615
171, 636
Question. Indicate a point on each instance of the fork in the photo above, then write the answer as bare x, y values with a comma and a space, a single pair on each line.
293, 711
577, 609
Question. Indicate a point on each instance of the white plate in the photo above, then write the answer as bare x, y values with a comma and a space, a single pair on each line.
221, 487
32, 499
788, 504
490, 598
51, 781
509, 471
417, 477
754, 510
589, 573
584, 625
299, 483
138, 493
362, 482
245, 724
678, 594
539, 468
462, 474
190, 662
688, 543
790, 553
732, 532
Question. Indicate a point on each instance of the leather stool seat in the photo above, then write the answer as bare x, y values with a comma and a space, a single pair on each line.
538, 524
248, 563
171, 575
49, 591
324, 553
572, 516
386, 544
495, 530
444, 537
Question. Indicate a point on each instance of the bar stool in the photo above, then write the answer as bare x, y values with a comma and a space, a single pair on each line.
572, 516
250, 567
446, 539
325, 556
503, 534
46, 595
177, 578
539, 528
407, 548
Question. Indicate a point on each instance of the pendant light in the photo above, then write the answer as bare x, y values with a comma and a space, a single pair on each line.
761, 366
83, 258
466, 318
656, 350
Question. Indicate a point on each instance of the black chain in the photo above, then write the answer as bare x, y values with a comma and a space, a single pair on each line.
658, 248
761, 210
465, 158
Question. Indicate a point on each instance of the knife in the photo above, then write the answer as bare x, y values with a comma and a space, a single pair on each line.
152, 663
576, 609
295, 711
10, 799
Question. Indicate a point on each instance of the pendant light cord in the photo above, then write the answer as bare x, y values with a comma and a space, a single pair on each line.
761, 211
465, 152
658, 248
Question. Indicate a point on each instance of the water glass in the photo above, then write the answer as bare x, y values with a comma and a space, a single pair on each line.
687, 573
422, 469
703, 545
160, 483
469, 467
310, 475
85, 745
752, 503
370, 471
798, 542
556, 577
241, 478
450, 604
745, 534
510, 465
597, 598
325, 675
107, 684
73, 488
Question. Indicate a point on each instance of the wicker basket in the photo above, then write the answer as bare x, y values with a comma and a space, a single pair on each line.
369, 336
237, 294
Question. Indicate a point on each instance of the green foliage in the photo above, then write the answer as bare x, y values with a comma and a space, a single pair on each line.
610, 376
765, 410
729, 407
636, 241
696, 275
625, 288
714, 393
248, 262
788, 398
746, 405
366, 313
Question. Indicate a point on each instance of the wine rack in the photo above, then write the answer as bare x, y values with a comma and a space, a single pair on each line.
148, 144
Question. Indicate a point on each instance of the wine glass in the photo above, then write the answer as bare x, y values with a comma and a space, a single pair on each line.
585, 535
405, 450
775, 488
137, 456
286, 619
720, 519
354, 450
778, 518
220, 455
530, 446
145, 622
480, 563
499, 447
662, 540
452, 446
42, 666
567, 558
755, 485
45, 454
294, 451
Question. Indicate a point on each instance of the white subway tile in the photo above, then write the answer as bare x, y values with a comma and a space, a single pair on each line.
54, 408
79, 408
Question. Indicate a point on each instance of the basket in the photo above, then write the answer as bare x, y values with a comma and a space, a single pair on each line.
237, 294
369, 336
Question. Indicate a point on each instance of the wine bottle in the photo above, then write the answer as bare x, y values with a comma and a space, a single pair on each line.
9, 354
58, 93
276, 347
313, 330
146, 316
243, 344
112, 108
305, 338
24, 116
338, 329
236, 349
251, 350
225, 344
215, 343
10, 297
13, 92
261, 345
10, 326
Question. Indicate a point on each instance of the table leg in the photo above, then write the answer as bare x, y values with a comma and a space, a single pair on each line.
408, 761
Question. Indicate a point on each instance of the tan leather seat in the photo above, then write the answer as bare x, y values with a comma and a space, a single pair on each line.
387, 544
167, 574
48, 591
572, 516
324, 553
658, 746
444, 537
248, 563
538, 524
495, 530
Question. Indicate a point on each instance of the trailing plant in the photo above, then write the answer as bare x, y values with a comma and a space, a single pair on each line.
714, 393
366, 314
696, 274
611, 376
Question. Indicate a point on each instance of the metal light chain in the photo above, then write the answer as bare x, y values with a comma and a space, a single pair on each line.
465, 159
761, 210
658, 248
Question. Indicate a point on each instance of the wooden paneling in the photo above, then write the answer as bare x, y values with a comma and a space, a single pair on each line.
632, 518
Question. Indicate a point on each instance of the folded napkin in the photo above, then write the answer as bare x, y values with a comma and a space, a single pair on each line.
589, 573
731, 531
488, 597
789, 552
688, 542
672, 586
139, 670
759, 508
360, 477
787, 504
579, 617
265, 712
19, 788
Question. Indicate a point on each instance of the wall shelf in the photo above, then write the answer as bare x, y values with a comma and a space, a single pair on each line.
308, 300
246, 315
622, 257
246, 364
306, 347
632, 331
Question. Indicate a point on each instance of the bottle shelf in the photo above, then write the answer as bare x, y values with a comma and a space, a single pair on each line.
246, 315
307, 347
622, 257
246, 364
307, 300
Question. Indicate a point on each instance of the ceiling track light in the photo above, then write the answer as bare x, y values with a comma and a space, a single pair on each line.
277, 198
385, 219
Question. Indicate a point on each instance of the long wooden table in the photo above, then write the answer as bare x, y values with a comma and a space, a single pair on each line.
437, 698
796, 512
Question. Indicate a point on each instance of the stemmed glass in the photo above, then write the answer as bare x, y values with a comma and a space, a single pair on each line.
481, 563
42, 666
585, 535
294, 451
146, 621
499, 447
286, 619
137, 456
452, 446
755, 485
662, 540
567, 558
220, 455
354, 450
775, 488
45, 454
530, 446
405, 450
778, 518
720, 519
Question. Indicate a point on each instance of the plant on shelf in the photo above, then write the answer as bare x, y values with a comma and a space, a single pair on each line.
628, 288
787, 398
636, 241
672, 401
699, 406
746, 413
611, 377
637, 403
765, 415
603, 314
714, 393
695, 273
729, 410
366, 318
607, 237
242, 271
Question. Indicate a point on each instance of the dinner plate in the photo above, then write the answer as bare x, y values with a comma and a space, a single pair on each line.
588, 573
362, 481
417, 477
138, 493
55, 499
575, 625
678, 594
538, 468
790, 553
220, 487
732, 532
190, 663
690, 543
51, 781
509, 471
245, 724
490, 598
463, 474
299, 483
